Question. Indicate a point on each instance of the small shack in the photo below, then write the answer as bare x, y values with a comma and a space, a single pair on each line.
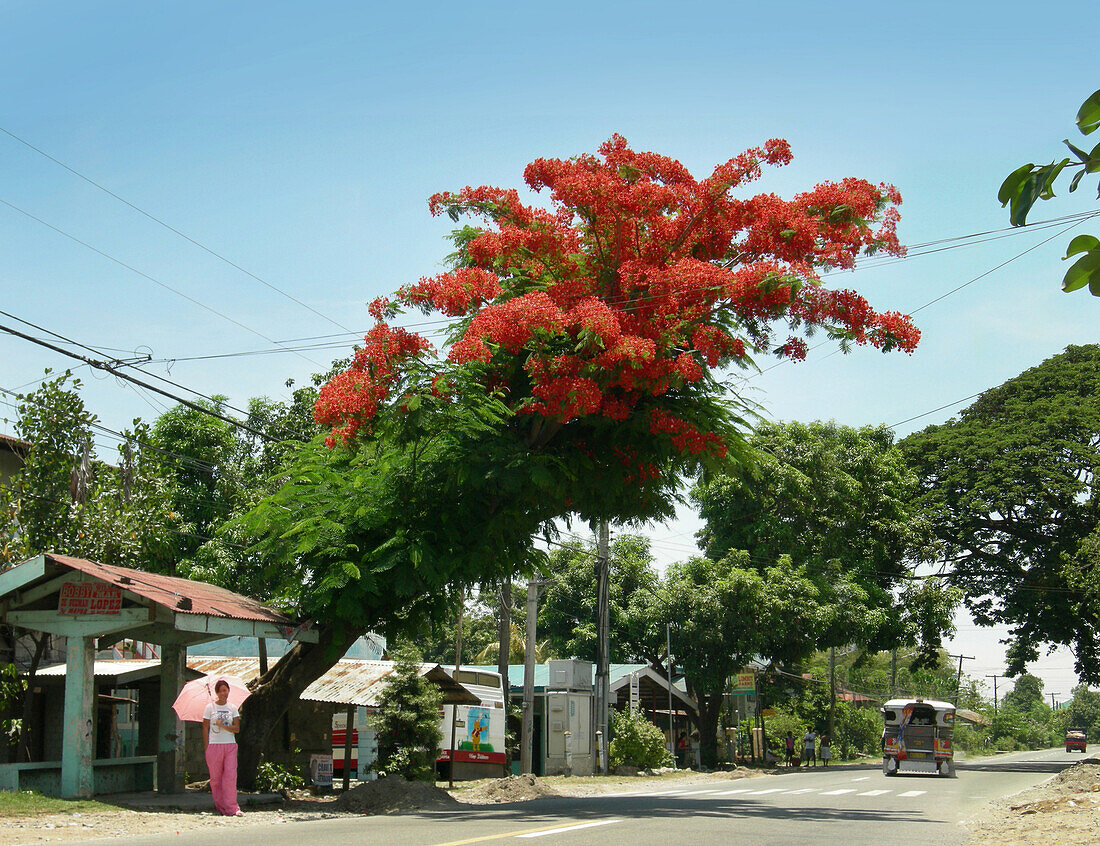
97, 605
564, 708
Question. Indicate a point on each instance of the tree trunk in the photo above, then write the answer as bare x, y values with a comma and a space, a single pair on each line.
710, 708
279, 688
41, 639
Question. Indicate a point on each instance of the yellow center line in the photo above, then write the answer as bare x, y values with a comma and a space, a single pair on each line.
503, 836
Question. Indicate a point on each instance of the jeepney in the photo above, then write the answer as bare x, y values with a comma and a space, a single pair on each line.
918, 736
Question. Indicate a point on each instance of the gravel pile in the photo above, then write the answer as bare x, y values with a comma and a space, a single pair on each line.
1064, 811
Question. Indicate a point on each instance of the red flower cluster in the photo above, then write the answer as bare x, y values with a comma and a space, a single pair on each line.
638, 280
351, 399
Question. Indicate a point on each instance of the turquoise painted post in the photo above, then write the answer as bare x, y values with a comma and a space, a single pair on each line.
171, 730
77, 749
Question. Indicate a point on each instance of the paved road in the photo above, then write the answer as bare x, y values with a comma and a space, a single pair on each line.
845, 806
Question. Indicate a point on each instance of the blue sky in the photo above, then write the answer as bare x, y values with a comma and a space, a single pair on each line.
301, 141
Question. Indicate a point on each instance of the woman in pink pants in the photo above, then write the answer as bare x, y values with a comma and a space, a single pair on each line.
220, 724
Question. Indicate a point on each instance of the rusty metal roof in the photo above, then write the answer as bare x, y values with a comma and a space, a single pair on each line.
14, 444
183, 596
350, 681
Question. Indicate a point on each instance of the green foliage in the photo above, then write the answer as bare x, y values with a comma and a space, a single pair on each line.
11, 701
567, 605
835, 500
1084, 711
275, 778
65, 500
407, 721
1026, 693
1029, 183
637, 742
1009, 487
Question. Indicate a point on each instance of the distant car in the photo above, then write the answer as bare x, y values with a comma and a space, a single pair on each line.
1076, 740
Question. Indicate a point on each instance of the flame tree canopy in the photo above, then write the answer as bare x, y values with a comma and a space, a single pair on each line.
603, 328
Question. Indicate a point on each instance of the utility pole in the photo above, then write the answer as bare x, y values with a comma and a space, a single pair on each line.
958, 678
994, 693
1052, 695
528, 728
832, 691
671, 735
603, 666
454, 706
893, 672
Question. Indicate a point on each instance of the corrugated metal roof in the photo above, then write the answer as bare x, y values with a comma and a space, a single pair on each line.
115, 667
182, 596
350, 681
14, 444
121, 670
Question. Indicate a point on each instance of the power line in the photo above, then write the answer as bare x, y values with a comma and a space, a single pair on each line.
170, 228
123, 363
102, 365
152, 279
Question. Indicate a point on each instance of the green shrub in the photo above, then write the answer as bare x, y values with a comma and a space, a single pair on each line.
275, 778
638, 743
407, 720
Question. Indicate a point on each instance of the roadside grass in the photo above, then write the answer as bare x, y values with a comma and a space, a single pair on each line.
27, 803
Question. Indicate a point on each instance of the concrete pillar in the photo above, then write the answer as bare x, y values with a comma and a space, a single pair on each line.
77, 781
170, 735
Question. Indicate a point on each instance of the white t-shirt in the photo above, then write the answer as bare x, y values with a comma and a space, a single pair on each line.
216, 714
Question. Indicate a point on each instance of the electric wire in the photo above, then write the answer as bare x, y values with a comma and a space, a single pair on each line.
152, 279
171, 228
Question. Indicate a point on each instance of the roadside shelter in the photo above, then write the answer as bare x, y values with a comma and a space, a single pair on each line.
92, 604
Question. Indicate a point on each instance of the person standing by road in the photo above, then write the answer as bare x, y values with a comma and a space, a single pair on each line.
826, 750
220, 723
809, 742
789, 748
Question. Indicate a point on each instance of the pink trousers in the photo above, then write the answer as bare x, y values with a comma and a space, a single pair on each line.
221, 761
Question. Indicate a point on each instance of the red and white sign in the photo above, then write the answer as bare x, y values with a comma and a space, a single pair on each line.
82, 598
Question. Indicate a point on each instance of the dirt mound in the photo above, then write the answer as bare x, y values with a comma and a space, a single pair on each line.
740, 772
514, 788
393, 796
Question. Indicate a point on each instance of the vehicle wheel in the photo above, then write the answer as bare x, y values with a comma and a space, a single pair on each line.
945, 769
890, 766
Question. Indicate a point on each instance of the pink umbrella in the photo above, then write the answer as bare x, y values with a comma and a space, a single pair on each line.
195, 696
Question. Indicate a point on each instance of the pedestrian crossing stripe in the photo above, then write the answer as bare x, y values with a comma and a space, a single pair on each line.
909, 793
803, 790
699, 792
840, 792
862, 778
875, 793
731, 792
769, 790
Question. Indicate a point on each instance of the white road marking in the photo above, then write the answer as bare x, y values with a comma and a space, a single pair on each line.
875, 793
769, 790
839, 792
699, 792
569, 828
615, 795
864, 778
910, 793
731, 792
803, 790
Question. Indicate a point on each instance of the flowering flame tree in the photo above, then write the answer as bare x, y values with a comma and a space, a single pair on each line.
582, 374
606, 323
